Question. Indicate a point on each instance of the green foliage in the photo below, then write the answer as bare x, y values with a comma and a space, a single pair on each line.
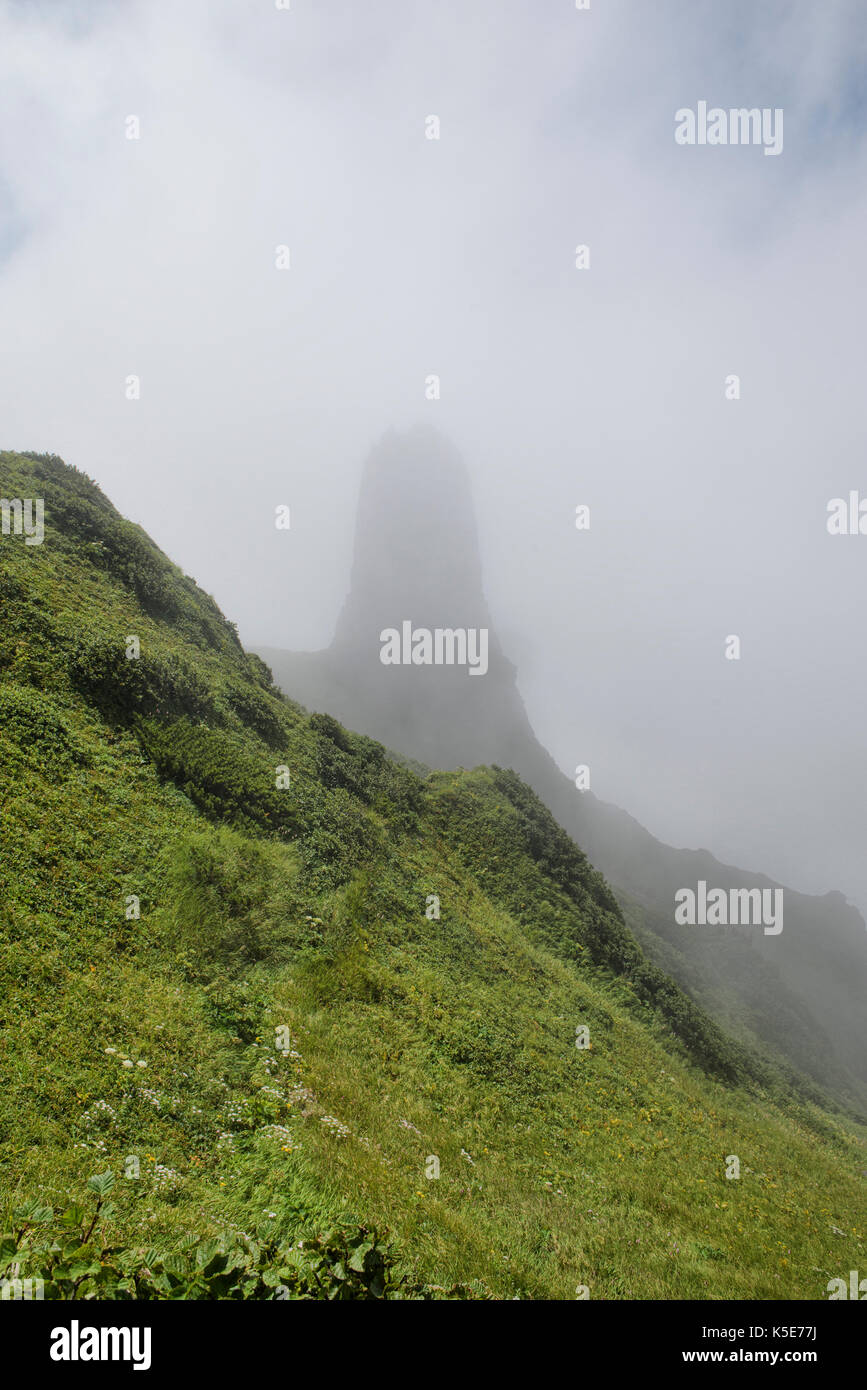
226, 778
257, 712
360, 766
41, 732
339, 836
122, 688
261, 672
77, 510
72, 1254
230, 900
283, 1037
522, 853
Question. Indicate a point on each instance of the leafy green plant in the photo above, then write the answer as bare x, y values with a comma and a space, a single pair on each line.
71, 1254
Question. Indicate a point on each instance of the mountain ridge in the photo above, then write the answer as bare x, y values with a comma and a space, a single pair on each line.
813, 978
236, 1030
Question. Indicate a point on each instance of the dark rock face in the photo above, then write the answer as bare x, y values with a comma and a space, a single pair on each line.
416, 546
416, 559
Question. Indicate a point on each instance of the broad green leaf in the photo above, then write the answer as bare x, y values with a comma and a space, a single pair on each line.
101, 1183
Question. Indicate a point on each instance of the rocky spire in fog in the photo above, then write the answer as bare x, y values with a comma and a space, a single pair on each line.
416, 565
416, 551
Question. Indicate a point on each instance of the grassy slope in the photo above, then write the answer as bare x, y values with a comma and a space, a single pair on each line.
304, 907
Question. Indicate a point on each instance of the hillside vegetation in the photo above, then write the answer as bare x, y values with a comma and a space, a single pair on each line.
796, 998
283, 1017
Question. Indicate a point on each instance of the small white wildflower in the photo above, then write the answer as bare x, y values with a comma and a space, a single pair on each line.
338, 1129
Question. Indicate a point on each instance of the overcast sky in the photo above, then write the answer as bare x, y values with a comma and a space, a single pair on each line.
409, 256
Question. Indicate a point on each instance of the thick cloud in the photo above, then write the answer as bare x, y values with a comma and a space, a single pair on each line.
409, 256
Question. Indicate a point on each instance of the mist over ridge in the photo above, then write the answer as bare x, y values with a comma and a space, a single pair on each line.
416, 562
433, 762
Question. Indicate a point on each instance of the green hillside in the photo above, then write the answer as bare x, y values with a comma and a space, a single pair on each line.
797, 997
276, 1055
